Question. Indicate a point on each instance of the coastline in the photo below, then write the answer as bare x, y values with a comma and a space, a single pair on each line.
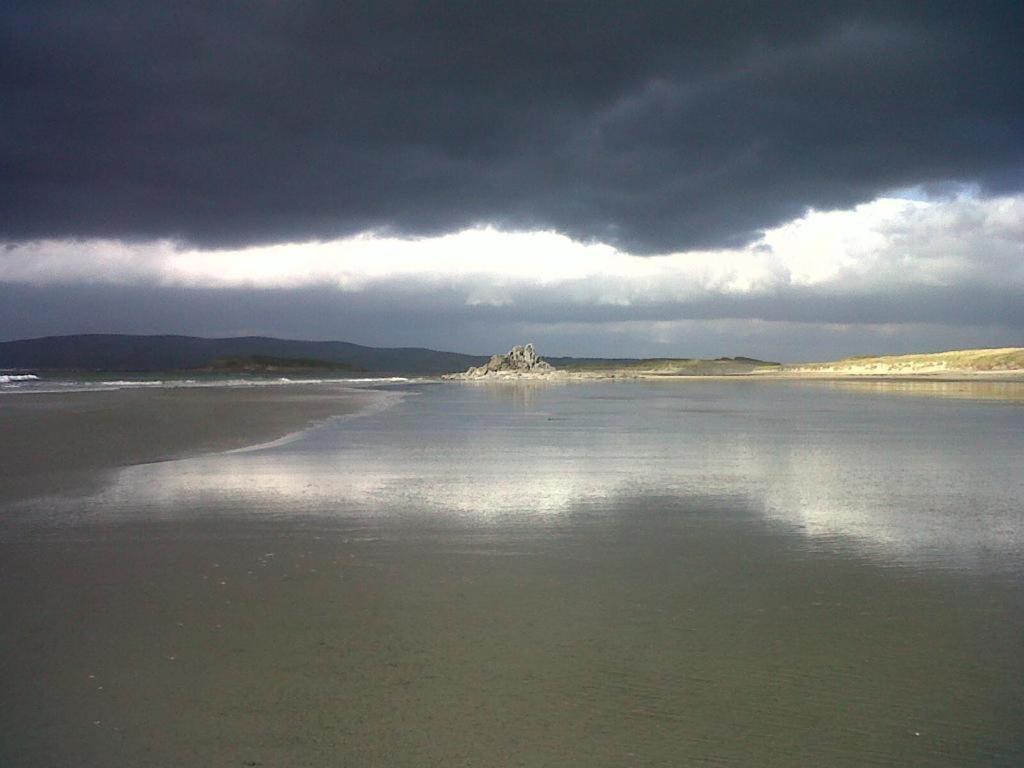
997, 364
69, 443
562, 375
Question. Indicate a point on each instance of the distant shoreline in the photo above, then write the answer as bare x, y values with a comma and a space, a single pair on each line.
625, 375
1001, 364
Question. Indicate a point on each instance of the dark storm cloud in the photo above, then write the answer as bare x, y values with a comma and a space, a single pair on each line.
657, 126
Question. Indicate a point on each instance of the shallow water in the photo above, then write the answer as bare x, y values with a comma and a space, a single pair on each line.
891, 479
664, 573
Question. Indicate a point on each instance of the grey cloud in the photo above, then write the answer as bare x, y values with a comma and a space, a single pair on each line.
791, 324
658, 126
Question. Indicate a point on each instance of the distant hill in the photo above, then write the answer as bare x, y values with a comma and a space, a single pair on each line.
260, 354
116, 352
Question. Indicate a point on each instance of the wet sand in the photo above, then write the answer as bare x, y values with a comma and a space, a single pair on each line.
656, 643
649, 626
69, 443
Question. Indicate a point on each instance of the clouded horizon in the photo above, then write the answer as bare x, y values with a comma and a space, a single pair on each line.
788, 180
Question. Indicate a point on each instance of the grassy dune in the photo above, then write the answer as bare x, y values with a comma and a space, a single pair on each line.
1004, 360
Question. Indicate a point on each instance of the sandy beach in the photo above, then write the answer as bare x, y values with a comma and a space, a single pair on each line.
230, 644
618, 574
69, 443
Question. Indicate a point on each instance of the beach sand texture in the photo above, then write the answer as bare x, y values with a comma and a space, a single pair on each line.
643, 623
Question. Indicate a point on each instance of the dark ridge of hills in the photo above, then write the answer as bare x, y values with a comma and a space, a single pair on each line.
261, 354
118, 352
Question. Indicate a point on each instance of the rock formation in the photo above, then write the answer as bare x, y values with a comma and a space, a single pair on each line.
520, 361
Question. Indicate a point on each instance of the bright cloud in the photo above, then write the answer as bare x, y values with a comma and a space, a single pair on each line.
887, 244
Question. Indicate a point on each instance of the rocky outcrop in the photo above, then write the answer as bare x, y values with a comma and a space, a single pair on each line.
521, 361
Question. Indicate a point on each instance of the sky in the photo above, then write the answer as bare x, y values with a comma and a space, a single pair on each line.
790, 181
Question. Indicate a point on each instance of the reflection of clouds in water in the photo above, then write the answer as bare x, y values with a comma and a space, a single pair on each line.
520, 393
885, 477
477, 482
922, 505
1012, 391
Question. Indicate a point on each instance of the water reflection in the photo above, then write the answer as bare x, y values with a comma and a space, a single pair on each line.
921, 481
522, 393
1011, 391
